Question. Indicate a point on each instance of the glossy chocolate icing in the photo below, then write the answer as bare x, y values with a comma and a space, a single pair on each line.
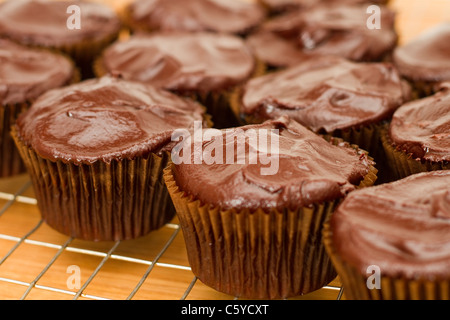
422, 127
230, 16
328, 93
182, 61
26, 73
44, 22
311, 170
104, 119
427, 57
402, 227
324, 30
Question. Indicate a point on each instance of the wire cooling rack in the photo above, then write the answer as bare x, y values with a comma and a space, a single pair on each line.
37, 262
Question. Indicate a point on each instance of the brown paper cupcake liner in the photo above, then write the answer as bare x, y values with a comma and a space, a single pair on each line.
101, 201
10, 161
368, 137
422, 89
257, 255
355, 287
402, 164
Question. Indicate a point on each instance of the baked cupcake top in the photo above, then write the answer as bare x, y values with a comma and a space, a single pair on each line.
284, 5
326, 93
44, 22
230, 16
426, 58
104, 119
181, 61
26, 73
402, 227
302, 168
327, 29
422, 127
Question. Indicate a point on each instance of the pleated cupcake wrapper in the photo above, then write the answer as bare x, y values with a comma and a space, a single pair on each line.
402, 164
355, 285
368, 137
256, 255
10, 161
422, 89
101, 201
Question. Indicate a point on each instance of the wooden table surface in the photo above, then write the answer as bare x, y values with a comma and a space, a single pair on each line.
36, 261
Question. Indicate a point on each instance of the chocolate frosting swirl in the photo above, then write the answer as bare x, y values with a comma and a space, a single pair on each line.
104, 119
26, 73
326, 93
402, 227
324, 30
311, 170
44, 22
422, 127
182, 61
230, 16
427, 57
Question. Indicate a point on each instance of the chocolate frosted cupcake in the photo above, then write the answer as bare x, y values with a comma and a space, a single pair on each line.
277, 6
425, 61
48, 23
325, 29
229, 16
418, 137
252, 215
329, 95
390, 242
25, 74
95, 152
203, 65
280, 6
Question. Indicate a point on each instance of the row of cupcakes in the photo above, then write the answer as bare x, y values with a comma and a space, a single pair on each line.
98, 152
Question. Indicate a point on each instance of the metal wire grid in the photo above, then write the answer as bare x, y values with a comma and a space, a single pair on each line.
106, 256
